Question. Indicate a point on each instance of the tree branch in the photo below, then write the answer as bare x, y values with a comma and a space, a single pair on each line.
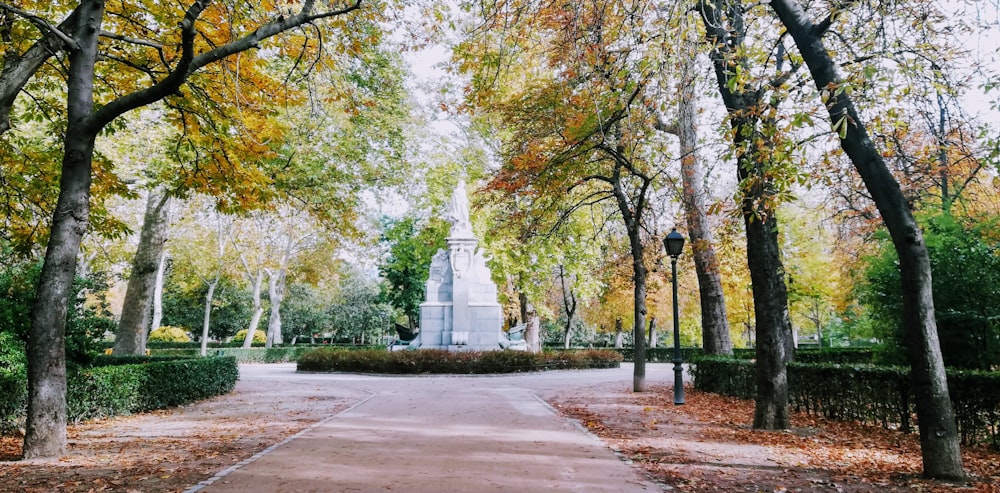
43, 25
18, 70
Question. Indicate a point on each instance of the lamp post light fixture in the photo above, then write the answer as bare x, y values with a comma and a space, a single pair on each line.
674, 243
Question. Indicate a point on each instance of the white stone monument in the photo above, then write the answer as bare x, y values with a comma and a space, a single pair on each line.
461, 311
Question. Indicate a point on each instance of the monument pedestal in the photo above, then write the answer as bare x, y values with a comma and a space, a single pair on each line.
461, 312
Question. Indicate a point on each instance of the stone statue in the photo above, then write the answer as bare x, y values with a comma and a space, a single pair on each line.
458, 211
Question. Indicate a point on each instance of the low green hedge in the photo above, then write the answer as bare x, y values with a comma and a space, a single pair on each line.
130, 385
875, 395
660, 354
14, 389
665, 354
441, 361
279, 354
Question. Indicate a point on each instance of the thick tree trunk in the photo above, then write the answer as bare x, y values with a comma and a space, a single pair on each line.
45, 429
939, 439
714, 320
207, 319
531, 324
532, 335
133, 327
770, 300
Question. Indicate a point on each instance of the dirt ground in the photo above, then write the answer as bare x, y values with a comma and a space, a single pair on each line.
704, 446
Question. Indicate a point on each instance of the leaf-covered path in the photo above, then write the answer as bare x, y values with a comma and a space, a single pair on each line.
705, 445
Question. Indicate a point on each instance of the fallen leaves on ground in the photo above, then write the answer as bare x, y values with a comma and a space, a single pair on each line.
708, 445
170, 450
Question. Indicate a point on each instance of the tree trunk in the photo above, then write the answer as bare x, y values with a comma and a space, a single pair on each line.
770, 300
724, 21
569, 306
652, 332
258, 308
276, 293
531, 336
133, 327
939, 439
619, 334
639, 290
158, 292
45, 429
714, 320
207, 319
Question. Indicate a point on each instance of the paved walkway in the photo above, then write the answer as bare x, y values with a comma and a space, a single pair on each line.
417, 434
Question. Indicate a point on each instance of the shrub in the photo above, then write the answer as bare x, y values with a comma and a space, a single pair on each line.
169, 334
13, 382
130, 384
441, 361
259, 337
875, 395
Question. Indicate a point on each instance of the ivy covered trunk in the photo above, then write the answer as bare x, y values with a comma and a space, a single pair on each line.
939, 439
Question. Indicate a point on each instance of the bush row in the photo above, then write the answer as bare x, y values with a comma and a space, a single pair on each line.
278, 354
875, 395
116, 389
827, 355
154, 345
441, 361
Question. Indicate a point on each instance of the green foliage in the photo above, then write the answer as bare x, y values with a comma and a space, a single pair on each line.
965, 260
13, 381
304, 311
661, 354
103, 392
873, 395
726, 376
440, 361
405, 270
169, 334
259, 337
842, 356
156, 384
188, 380
231, 305
88, 317
357, 310
119, 385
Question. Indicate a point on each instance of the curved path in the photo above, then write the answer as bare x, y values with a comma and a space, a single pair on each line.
418, 434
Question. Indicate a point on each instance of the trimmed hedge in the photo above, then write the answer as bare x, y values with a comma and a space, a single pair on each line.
660, 354
132, 384
14, 389
874, 395
279, 354
665, 354
441, 361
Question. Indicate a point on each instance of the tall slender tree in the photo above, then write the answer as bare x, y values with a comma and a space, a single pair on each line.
939, 439
761, 153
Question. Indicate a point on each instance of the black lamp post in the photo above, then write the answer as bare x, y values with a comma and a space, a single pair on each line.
674, 243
